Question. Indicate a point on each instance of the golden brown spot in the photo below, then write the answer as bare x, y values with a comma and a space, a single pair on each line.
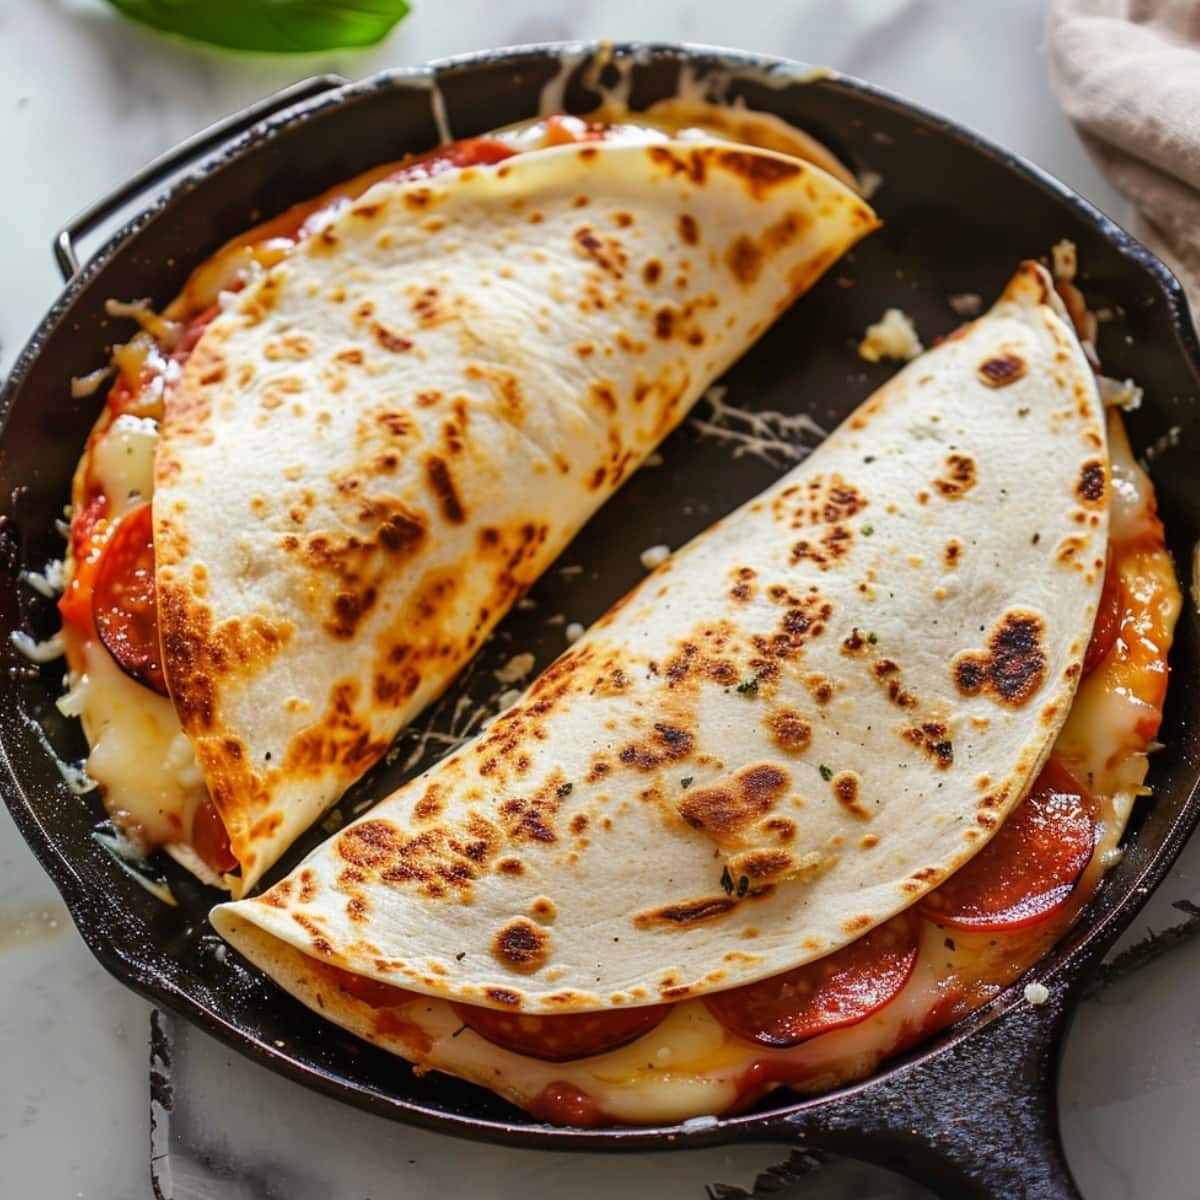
1012, 668
845, 785
958, 477
726, 811
758, 172
952, 555
789, 731
1002, 369
689, 230
391, 341
652, 271
521, 946
745, 259
510, 866
442, 484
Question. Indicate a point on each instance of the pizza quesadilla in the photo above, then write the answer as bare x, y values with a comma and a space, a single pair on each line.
364, 429
827, 780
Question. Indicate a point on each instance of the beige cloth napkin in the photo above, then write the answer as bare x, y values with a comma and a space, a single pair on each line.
1128, 74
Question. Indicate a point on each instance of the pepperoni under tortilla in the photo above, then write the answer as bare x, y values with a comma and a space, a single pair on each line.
1029, 869
123, 599
839, 990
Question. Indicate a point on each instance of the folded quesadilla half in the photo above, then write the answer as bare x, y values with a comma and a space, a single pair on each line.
824, 782
366, 427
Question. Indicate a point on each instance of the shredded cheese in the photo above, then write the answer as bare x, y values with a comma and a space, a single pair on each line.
655, 556
892, 336
38, 652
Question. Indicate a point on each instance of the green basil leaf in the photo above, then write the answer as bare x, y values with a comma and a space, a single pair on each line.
271, 26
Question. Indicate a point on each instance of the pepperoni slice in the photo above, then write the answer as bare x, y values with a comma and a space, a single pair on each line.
371, 991
1108, 619
1029, 869
470, 152
123, 599
210, 839
195, 328
559, 1038
840, 989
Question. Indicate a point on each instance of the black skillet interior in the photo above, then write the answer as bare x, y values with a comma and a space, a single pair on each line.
959, 215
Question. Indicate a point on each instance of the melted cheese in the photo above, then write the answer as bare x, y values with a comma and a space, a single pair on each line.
139, 754
122, 463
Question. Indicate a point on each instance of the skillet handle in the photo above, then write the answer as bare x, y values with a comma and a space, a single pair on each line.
976, 1121
175, 159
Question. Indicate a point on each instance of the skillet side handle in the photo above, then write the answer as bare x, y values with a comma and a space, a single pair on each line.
157, 170
976, 1121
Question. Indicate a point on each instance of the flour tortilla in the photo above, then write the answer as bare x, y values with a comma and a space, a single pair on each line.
390, 435
792, 730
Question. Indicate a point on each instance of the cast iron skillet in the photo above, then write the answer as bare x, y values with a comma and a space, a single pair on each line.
971, 1113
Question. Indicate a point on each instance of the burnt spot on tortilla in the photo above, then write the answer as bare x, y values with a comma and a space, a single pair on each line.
999, 370
521, 946
820, 687
510, 866
1012, 667
933, 738
789, 730
1091, 486
689, 230
442, 484
726, 811
434, 862
504, 997
389, 340
349, 610
820, 500
855, 643
758, 172
826, 551
845, 786
686, 914
888, 675
431, 804
668, 743
952, 554
652, 271
744, 587
958, 476
530, 819
605, 251
744, 259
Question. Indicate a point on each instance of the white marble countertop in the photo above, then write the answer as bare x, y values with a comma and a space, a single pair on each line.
85, 98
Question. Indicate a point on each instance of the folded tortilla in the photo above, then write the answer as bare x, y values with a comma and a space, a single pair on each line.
791, 731
381, 443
